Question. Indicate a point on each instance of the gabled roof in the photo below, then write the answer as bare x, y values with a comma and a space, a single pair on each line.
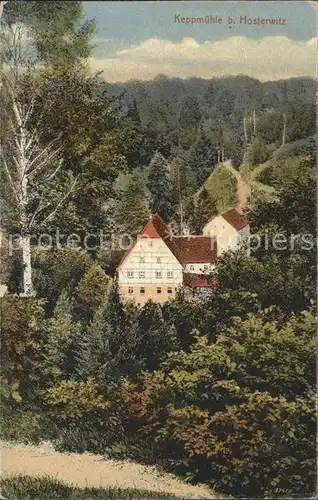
155, 228
234, 218
187, 249
122, 260
198, 281
196, 249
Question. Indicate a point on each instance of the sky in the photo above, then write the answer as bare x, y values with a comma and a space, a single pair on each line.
139, 40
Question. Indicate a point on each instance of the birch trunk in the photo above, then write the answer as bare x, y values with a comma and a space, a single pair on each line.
25, 243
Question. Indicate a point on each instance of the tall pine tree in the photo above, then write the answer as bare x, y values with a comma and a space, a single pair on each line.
160, 187
201, 210
132, 209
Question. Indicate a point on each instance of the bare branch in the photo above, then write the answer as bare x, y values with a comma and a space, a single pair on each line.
61, 201
13, 187
38, 210
44, 162
51, 176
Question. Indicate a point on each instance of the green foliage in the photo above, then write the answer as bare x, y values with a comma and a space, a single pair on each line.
18, 424
29, 488
73, 399
59, 338
58, 270
204, 418
221, 185
20, 348
132, 208
256, 152
201, 210
154, 337
6, 261
291, 286
159, 187
58, 33
294, 211
119, 342
91, 292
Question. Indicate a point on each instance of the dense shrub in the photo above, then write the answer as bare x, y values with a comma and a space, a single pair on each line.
20, 347
91, 292
57, 270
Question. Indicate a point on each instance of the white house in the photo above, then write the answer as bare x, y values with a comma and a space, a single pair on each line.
230, 228
158, 263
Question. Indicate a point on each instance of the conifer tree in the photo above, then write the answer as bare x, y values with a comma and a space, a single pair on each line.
59, 339
159, 187
133, 113
201, 211
132, 209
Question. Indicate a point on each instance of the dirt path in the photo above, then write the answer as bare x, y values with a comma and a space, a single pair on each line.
243, 188
92, 470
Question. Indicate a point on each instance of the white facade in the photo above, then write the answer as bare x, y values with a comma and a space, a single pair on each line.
199, 268
228, 238
150, 261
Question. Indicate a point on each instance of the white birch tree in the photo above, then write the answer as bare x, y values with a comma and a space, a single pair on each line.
29, 166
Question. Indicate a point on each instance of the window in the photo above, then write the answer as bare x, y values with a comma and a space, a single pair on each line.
142, 260
142, 290
130, 289
141, 274
169, 290
206, 267
158, 274
150, 243
169, 274
158, 259
158, 290
130, 274
191, 268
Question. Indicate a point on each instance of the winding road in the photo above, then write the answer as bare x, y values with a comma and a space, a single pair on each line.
91, 470
244, 189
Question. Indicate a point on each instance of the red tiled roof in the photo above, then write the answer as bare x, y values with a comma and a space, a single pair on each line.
234, 218
155, 228
200, 249
126, 254
198, 280
187, 249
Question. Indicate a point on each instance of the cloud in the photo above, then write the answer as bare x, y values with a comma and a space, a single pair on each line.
267, 58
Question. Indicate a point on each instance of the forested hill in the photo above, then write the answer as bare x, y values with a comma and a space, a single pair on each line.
170, 104
195, 118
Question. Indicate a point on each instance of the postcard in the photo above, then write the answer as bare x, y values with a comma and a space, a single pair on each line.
158, 249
